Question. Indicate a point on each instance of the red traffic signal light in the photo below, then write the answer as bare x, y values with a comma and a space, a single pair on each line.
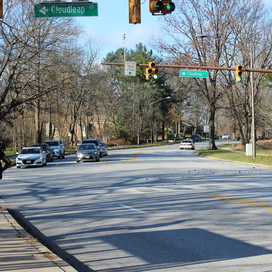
238, 73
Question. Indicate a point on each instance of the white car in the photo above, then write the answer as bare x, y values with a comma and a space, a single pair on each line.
226, 136
58, 148
187, 144
31, 156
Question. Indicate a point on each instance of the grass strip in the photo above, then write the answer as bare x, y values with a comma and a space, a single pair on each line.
230, 155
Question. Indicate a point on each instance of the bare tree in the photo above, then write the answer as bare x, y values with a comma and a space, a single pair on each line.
221, 21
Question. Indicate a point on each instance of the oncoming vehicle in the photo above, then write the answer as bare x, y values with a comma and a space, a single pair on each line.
48, 150
187, 144
87, 152
31, 156
226, 136
103, 148
96, 142
58, 148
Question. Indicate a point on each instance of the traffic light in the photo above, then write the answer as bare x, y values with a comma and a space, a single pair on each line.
238, 73
155, 6
151, 72
168, 6
134, 11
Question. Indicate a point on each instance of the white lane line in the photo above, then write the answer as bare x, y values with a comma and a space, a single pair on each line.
130, 208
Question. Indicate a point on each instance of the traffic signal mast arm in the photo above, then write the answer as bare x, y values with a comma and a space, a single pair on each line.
196, 67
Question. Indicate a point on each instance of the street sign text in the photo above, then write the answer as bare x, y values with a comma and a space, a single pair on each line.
69, 10
187, 73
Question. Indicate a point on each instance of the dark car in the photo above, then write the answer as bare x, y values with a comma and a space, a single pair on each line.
196, 138
48, 150
216, 137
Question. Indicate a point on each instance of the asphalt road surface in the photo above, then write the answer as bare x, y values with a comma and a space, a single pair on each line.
148, 209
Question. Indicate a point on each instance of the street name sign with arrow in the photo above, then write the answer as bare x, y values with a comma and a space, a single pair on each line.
187, 73
66, 10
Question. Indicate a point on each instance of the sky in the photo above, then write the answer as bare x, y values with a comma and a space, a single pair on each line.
112, 22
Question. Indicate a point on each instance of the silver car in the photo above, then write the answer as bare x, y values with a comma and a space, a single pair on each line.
187, 144
103, 149
87, 152
31, 156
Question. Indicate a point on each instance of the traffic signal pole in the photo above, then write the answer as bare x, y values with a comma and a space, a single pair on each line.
1, 9
196, 67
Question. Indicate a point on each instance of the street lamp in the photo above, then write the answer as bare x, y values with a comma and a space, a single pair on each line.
253, 136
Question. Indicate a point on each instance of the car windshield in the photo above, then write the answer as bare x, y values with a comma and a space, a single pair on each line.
186, 141
41, 146
53, 143
30, 151
87, 147
90, 141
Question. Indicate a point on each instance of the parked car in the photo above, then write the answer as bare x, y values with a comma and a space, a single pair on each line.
48, 150
58, 148
216, 137
187, 144
31, 156
103, 148
93, 141
87, 152
196, 138
226, 136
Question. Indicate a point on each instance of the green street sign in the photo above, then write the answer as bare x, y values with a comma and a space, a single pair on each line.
66, 10
187, 73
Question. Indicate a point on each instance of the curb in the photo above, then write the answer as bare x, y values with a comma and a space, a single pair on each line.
32, 242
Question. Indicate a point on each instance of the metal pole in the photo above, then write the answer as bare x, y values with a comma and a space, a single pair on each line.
124, 43
253, 136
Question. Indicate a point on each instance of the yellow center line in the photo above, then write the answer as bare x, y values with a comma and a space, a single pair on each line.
133, 156
243, 201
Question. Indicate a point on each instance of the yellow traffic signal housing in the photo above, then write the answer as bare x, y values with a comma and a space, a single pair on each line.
151, 72
238, 73
148, 74
155, 6
134, 11
168, 6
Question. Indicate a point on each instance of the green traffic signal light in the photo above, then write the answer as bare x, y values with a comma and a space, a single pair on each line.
170, 7
238, 73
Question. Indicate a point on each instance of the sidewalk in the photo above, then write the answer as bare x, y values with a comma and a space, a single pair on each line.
20, 252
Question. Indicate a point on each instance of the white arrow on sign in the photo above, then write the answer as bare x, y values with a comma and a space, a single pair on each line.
43, 10
184, 73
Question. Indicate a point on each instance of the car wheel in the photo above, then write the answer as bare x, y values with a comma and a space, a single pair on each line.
18, 166
77, 161
51, 159
63, 155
